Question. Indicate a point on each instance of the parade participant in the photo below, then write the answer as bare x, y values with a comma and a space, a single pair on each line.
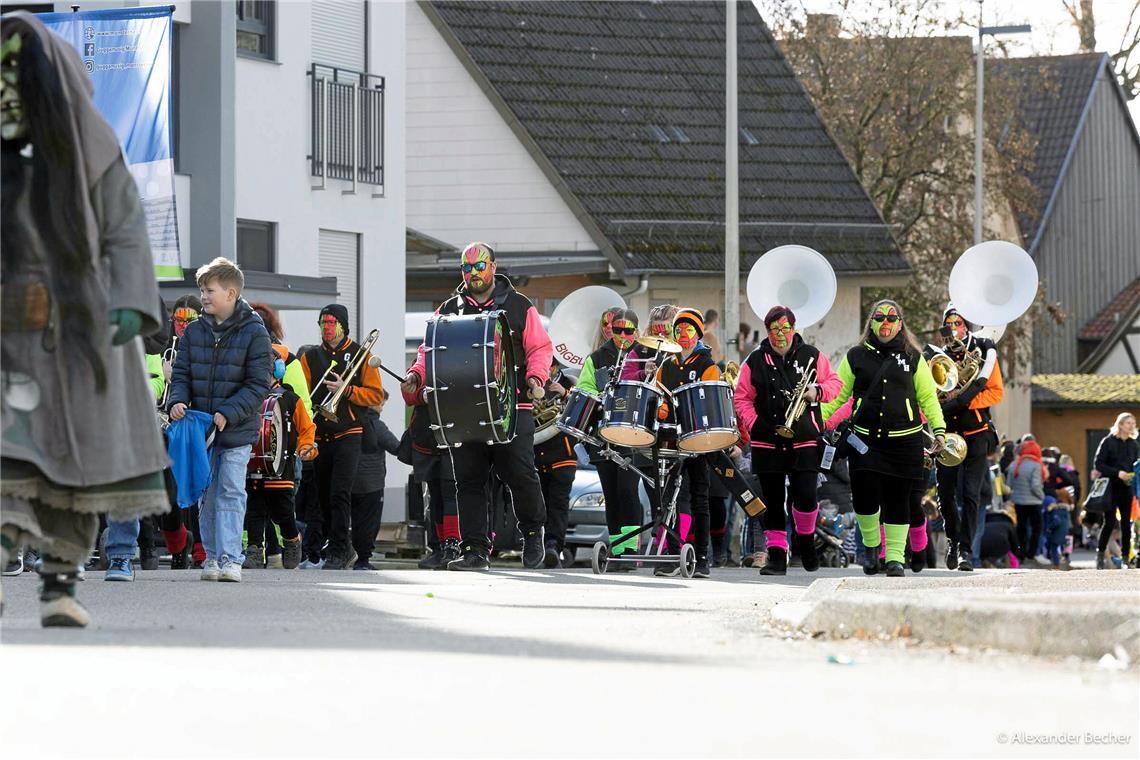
892, 385
619, 485
483, 290
272, 498
767, 379
368, 486
557, 465
693, 364
339, 441
605, 327
223, 368
294, 374
78, 286
431, 467
968, 414
1115, 459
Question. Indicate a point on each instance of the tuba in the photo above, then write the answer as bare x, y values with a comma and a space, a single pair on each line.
546, 413
794, 276
327, 409
574, 323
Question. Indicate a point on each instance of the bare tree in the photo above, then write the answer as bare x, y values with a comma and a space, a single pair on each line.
1125, 60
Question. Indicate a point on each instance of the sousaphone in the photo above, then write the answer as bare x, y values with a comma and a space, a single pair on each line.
992, 284
794, 276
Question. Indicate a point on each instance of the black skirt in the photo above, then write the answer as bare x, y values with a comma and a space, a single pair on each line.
899, 457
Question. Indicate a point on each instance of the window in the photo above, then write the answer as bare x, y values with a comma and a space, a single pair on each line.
256, 245
338, 255
255, 28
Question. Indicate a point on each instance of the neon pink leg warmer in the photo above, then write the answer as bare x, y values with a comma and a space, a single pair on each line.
777, 539
805, 521
882, 542
684, 522
918, 538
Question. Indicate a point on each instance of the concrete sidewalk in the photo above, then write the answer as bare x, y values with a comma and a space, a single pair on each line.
1082, 613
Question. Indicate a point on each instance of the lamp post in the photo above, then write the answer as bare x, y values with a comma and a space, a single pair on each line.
979, 203
731, 317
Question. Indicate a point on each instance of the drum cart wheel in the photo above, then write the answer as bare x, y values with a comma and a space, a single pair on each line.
688, 561
600, 557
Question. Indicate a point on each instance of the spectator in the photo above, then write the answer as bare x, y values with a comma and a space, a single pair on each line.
1056, 532
1026, 479
1000, 547
747, 340
1115, 458
710, 339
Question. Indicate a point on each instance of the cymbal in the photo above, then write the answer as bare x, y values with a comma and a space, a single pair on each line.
657, 343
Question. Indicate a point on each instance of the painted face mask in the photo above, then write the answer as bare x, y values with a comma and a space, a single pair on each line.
624, 333
686, 335
13, 124
781, 332
957, 326
886, 322
183, 317
478, 269
607, 325
660, 329
331, 331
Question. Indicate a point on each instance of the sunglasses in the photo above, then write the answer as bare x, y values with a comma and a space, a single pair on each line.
625, 330
888, 318
779, 328
478, 266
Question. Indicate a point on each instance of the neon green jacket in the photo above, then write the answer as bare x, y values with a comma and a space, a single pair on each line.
157, 381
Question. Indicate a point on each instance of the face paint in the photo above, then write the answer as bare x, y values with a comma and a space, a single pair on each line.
331, 330
624, 333
13, 125
886, 322
781, 332
957, 325
660, 329
478, 269
686, 335
607, 325
182, 318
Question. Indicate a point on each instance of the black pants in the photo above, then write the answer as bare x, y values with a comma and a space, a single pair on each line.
693, 499
514, 463
1121, 499
973, 470
556, 484
623, 505
801, 487
1029, 529
264, 504
336, 469
367, 512
875, 492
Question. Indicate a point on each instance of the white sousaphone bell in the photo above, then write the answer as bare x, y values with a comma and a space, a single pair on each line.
794, 276
992, 284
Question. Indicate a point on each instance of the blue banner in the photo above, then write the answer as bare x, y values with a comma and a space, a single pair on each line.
127, 53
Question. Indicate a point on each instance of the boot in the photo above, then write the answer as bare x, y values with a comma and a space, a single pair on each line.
183, 559
433, 561
1100, 561
552, 560
917, 561
451, 552
149, 559
534, 548
895, 570
702, 568
472, 559
805, 547
254, 558
58, 606
951, 555
777, 562
870, 560
718, 553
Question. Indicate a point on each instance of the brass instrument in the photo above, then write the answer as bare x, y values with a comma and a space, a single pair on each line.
952, 454
546, 413
967, 368
944, 371
798, 401
327, 409
169, 355
731, 374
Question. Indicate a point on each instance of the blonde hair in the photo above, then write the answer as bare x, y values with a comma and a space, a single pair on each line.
1120, 418
225, 272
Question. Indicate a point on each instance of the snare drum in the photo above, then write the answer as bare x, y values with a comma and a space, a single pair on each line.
580, 416
706, 416
630, 414
268, 458
470, 385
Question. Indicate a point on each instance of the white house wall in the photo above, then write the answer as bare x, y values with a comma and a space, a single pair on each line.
469, 177
273, 184
1117, 361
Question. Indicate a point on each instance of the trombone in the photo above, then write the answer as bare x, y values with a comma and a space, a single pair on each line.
327, 408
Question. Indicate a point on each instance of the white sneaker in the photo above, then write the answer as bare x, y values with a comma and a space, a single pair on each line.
230, 572
308, 565
274, 562
210, 570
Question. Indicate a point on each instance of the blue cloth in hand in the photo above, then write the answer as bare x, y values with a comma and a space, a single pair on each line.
190, 461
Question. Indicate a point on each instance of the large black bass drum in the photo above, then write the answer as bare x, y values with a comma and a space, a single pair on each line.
469, 363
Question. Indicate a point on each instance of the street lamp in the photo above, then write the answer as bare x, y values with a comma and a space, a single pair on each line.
979, 205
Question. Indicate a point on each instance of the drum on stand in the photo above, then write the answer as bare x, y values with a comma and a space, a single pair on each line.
268, 458
706, 416
580, 416
629, 416
469, 363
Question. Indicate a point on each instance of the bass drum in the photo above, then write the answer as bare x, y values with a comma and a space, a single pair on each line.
706, 416
267, 459
469, 364
630, 416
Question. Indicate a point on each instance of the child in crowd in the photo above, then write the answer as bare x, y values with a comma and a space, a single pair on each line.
368, 487
1056, 531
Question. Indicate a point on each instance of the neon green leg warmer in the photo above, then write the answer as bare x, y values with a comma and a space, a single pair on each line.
896, 541
869, 527
630, 544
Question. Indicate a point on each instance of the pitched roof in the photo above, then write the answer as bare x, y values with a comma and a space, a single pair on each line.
1085, 390
623, 103
1055, 91
1120, 307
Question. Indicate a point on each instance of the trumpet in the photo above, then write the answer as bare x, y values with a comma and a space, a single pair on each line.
798, 401
327, 409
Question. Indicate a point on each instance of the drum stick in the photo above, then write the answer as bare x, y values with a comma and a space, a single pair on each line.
374, 361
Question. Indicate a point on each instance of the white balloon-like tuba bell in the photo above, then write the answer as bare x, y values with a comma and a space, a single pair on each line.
993, 283
794, 276
575, 321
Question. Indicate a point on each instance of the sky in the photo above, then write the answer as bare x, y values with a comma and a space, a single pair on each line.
1053, 32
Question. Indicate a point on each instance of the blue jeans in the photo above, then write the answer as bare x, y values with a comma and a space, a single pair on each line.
221, 512
122, 539
976, 544
1056, 530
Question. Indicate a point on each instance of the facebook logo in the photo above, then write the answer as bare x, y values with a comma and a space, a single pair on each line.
89, 50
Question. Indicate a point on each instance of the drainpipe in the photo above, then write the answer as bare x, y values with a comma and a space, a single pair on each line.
641, 289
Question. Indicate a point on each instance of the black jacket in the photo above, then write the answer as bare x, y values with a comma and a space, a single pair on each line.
1114, 455
225, 369
772, 376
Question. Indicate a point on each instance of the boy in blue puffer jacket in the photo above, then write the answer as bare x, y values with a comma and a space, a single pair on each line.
223, 368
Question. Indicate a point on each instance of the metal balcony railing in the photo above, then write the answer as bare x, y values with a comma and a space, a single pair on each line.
347, 118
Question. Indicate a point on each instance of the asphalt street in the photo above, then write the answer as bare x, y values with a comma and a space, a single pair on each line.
519, 664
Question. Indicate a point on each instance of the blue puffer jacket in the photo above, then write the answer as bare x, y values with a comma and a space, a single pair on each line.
225, 369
